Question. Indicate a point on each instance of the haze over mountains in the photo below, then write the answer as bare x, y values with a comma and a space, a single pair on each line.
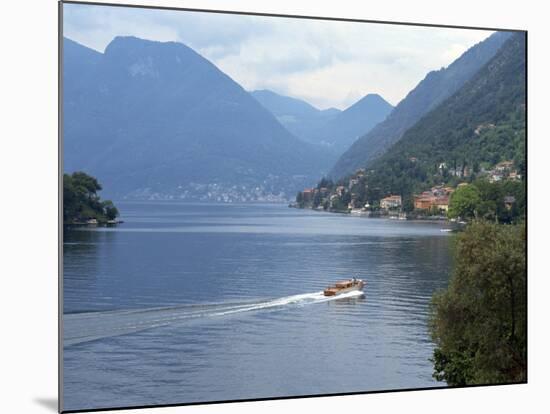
357, 120
331, 128
157, 120
153, 119
296, 115
431, 91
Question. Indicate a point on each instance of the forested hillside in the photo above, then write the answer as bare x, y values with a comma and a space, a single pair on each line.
475, 136
428, 94
479, 126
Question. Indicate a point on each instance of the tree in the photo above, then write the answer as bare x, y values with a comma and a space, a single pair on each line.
111, 212
81, 201
434, 211
325, 182
493, 195
85, 183
346, 199
479, 323
408, 204
464, 202
316, 199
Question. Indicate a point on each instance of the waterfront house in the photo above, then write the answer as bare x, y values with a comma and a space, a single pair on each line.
427, 200
307, 194
424, 201
390, 202
442, 203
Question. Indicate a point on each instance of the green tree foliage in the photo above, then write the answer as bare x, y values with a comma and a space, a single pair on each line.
326, 183
408, 204
81, 201
111, 212
494, 196
316, 199
339, 205
479, 322
464, 202
502, 202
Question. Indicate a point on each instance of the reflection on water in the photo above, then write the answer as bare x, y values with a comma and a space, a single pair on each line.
189, 302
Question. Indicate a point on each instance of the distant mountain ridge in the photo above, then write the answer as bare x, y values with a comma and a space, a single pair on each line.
430, 92
357, 120
331, 128
156, 119
298, 116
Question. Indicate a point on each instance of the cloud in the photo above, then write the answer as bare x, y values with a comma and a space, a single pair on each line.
327, 63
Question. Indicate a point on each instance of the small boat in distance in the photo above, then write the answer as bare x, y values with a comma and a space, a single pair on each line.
344, 286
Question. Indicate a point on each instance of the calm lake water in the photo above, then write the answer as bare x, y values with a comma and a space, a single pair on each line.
204, 302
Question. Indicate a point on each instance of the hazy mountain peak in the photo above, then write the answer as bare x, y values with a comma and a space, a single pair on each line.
374, 97
370, 100
280, 104
356, 120
128, 48
331, 128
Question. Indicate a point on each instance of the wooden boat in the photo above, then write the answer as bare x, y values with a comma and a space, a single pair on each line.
344, 286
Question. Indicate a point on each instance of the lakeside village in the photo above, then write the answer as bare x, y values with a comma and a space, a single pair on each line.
348, 196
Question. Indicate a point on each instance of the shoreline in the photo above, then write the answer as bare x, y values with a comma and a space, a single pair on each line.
367, 214
94, 223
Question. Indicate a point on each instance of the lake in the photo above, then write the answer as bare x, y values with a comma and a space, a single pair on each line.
206, 302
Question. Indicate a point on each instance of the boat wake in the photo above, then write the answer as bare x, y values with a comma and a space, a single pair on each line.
90, 326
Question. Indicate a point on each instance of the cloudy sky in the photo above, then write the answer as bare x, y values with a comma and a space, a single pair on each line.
327, 63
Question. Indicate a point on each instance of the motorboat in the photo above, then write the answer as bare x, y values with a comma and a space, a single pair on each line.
344, 286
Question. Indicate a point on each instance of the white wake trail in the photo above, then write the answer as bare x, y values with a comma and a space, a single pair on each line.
85, 327
303, 299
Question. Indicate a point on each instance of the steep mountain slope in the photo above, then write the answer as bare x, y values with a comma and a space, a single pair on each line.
82, 60
480, 125
299, 117
157, 119
430, 92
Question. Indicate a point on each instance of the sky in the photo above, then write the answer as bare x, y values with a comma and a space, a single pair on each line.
326, 63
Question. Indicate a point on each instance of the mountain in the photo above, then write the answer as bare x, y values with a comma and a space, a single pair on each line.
156, 119
430, 92
357, 120
298, 116
331, 128
482, 124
